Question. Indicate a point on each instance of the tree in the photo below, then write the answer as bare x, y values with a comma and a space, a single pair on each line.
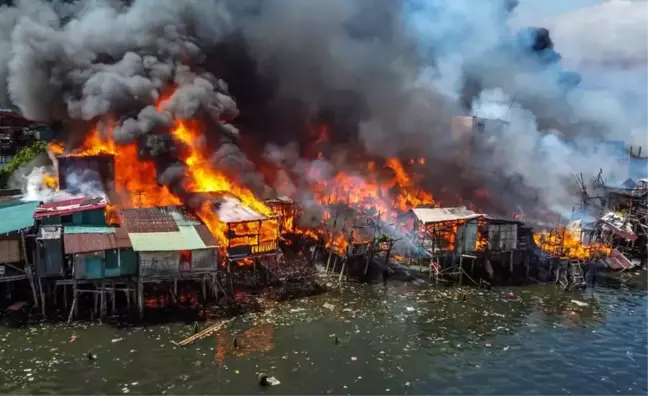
23, 157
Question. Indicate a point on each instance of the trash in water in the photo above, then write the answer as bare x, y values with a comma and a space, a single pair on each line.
354, 358
409, 309
579, 303
329, 306
114, 340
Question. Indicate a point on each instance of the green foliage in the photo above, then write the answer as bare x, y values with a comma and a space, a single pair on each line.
24, 156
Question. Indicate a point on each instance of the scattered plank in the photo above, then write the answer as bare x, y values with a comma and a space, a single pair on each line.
204, 333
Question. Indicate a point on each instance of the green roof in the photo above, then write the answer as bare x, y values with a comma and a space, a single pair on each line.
88, 229
16, 215
185, 239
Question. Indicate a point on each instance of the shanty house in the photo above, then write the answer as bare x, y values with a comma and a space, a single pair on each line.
169, 242
98, 252
17, 219
462, 230
247, 232
52, 218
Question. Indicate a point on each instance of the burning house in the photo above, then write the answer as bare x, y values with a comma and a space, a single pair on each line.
451, 238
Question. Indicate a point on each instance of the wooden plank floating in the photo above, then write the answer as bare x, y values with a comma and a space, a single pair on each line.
204, 333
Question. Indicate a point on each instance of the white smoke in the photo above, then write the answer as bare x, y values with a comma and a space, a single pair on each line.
33, 187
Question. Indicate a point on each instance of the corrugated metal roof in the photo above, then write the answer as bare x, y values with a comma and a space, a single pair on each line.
88, 230
206, 235
231, 210
438, 215
186, 238
69, 206
49, 232
16, 215
94, 242
146, 220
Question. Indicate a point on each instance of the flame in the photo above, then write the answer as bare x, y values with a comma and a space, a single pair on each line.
566, 243
50, 181
136, 183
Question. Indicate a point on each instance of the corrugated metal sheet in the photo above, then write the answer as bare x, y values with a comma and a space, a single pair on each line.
69, 206
16, 215
10, 251
438, 215
231, 210
88, 230
148, 220
206, 236
186, 238
93, 242
49, 232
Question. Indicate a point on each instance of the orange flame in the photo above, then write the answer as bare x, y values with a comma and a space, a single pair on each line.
566, 243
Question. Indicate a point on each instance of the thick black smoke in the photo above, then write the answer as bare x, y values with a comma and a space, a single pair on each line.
387, 76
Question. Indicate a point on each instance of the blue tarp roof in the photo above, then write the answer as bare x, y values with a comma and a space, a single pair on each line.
16, 215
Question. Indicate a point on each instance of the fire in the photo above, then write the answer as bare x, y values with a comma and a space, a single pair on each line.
136, 179
50, 181
566, 243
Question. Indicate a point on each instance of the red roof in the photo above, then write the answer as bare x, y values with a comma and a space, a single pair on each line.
68, 206
93, 242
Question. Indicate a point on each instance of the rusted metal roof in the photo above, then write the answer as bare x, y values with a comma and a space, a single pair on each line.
206, 235
93, 242
69, 206
145, 220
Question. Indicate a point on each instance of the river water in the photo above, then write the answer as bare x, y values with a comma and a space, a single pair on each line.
399, 339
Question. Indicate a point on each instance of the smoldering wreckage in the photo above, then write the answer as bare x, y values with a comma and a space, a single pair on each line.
154, 199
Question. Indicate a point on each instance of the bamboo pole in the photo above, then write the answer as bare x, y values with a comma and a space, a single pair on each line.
204, 333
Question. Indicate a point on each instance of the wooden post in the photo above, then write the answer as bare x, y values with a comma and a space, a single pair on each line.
334, 264
140, 297
65, 297
28, 269
102, 301
328, 261
342, 271
113, 295
175, 286
127, 292
42, 295
511, 263
461, 269
75, 303
254, 270
75, 296
204, 287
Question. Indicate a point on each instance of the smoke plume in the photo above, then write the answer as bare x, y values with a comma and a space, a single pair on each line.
387, 76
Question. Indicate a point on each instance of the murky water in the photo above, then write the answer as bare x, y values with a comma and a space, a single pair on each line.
402, 339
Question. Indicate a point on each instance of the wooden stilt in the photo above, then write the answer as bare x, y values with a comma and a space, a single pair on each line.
65, 297
204, 287
74, 306
344, 260
334, 264
140, 298
254, 271
102, 301
28, 270
328, 261
113, 294
75, 297
42, 295
214, 286
127, 292
175, 286
461, 269
55, 287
